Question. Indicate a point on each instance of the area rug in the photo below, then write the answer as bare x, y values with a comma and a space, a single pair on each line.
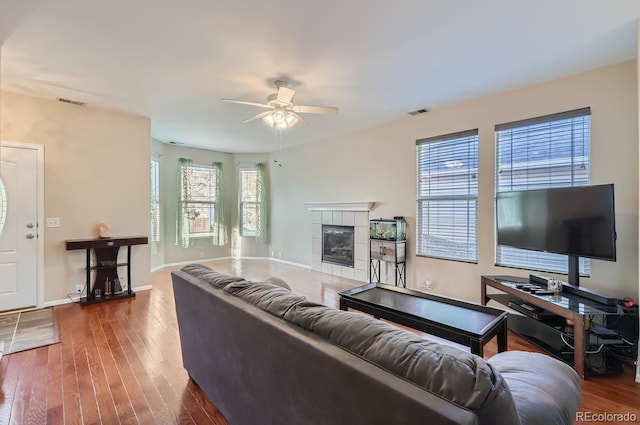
25, 330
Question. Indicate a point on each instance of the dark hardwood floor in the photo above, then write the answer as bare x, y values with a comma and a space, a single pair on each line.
120, 363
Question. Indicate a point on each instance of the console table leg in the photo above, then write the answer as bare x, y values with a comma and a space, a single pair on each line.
88, 268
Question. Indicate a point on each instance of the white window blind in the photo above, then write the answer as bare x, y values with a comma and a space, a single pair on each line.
199, 199
538, 153
447, 196
249, 206
155, 201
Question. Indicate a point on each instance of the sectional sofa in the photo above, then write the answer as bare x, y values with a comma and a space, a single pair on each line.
264, 355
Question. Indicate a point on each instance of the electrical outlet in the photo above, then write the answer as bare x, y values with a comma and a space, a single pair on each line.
428, 284
79, 289
202, 255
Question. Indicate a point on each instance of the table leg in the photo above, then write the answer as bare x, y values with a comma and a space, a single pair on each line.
88, 268
476, 347
483, 293
502, 337
580, 344
343, 304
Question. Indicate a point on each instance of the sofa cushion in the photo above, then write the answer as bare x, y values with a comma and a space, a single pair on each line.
456, 375
278, 282
266, 296
219, 280
545, 391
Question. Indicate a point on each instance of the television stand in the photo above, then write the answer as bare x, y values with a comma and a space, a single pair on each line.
557, 319
569, 288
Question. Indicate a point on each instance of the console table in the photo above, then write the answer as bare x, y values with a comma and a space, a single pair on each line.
551, 311
106, 267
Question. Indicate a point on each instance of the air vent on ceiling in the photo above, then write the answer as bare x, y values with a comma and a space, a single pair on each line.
419, 111
175, 143
72, 102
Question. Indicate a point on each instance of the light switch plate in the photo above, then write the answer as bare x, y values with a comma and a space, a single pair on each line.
53, 221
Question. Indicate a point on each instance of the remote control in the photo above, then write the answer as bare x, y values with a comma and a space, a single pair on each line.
543, 292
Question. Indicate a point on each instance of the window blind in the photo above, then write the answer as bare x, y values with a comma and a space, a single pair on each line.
249, 208
447, 196
155, 201
538, 153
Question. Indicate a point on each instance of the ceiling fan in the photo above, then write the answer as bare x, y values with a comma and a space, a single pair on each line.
283, 113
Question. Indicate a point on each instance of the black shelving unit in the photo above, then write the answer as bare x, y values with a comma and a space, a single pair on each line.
387, 243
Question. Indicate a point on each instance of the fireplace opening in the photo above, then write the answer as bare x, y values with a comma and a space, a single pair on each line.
337, 245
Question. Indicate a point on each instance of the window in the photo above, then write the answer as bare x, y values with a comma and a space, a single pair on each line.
543, 152
249, 206
447, 196
155, 202
200, 207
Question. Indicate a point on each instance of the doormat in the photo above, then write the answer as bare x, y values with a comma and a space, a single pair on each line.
25, 330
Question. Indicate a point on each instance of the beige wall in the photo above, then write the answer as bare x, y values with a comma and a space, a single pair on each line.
96, 169
378, 164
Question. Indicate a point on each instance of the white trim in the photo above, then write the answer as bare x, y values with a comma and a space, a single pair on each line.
339, 206
184, 263
291, 263
40, 214
74, 299
212, 260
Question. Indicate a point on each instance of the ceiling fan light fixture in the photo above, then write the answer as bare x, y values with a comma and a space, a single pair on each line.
280, 119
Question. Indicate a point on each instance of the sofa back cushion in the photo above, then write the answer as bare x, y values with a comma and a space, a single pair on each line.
219, 280
275, 299
456, 375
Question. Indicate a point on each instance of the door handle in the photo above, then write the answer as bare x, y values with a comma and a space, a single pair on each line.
30, 236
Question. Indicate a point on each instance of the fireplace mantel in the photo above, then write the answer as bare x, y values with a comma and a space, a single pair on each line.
339, 206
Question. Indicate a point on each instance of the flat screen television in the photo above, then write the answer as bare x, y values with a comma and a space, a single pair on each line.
577, 221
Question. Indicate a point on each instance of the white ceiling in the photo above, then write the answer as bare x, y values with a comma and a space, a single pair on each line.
173, 60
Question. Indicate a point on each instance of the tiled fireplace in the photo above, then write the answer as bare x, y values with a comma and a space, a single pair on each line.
339, 215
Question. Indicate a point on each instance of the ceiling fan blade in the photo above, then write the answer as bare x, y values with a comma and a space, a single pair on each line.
299, 121
307, 109
285, 94
242, 102
257, 117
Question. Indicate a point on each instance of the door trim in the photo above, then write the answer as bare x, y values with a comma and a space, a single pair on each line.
40, 214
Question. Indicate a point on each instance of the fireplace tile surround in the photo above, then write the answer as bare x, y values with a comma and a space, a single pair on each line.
354, 214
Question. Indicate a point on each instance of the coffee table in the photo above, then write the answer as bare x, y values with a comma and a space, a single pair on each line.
469, 324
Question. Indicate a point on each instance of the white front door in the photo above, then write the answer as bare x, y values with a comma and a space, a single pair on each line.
18, 227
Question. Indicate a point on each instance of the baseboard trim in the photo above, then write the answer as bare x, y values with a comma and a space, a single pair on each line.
212, 260
290, 263
76, 299
184, 263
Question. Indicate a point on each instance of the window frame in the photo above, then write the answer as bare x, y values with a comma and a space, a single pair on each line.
191, 203
468, 140
537, 260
